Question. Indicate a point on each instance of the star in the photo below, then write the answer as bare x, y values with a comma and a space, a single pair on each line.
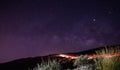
94, 19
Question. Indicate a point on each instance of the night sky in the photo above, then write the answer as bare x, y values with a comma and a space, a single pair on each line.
41, 27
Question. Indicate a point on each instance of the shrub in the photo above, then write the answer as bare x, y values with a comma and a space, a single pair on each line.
82, 63
82, 60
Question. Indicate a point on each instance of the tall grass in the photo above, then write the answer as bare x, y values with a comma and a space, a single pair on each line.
50, 65
108, 59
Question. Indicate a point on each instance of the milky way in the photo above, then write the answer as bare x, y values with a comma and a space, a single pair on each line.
37, 28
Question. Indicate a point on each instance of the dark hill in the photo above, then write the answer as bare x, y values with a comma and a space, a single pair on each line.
25, 63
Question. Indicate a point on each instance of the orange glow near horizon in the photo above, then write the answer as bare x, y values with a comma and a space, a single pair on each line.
89, 56
68, 56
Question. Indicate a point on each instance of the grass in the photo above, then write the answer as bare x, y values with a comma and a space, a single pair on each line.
50, 65
108, 59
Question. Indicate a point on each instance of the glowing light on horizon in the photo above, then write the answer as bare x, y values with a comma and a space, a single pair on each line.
89, 56
68, 56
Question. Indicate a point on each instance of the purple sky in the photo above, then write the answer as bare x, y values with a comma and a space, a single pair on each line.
35, 28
